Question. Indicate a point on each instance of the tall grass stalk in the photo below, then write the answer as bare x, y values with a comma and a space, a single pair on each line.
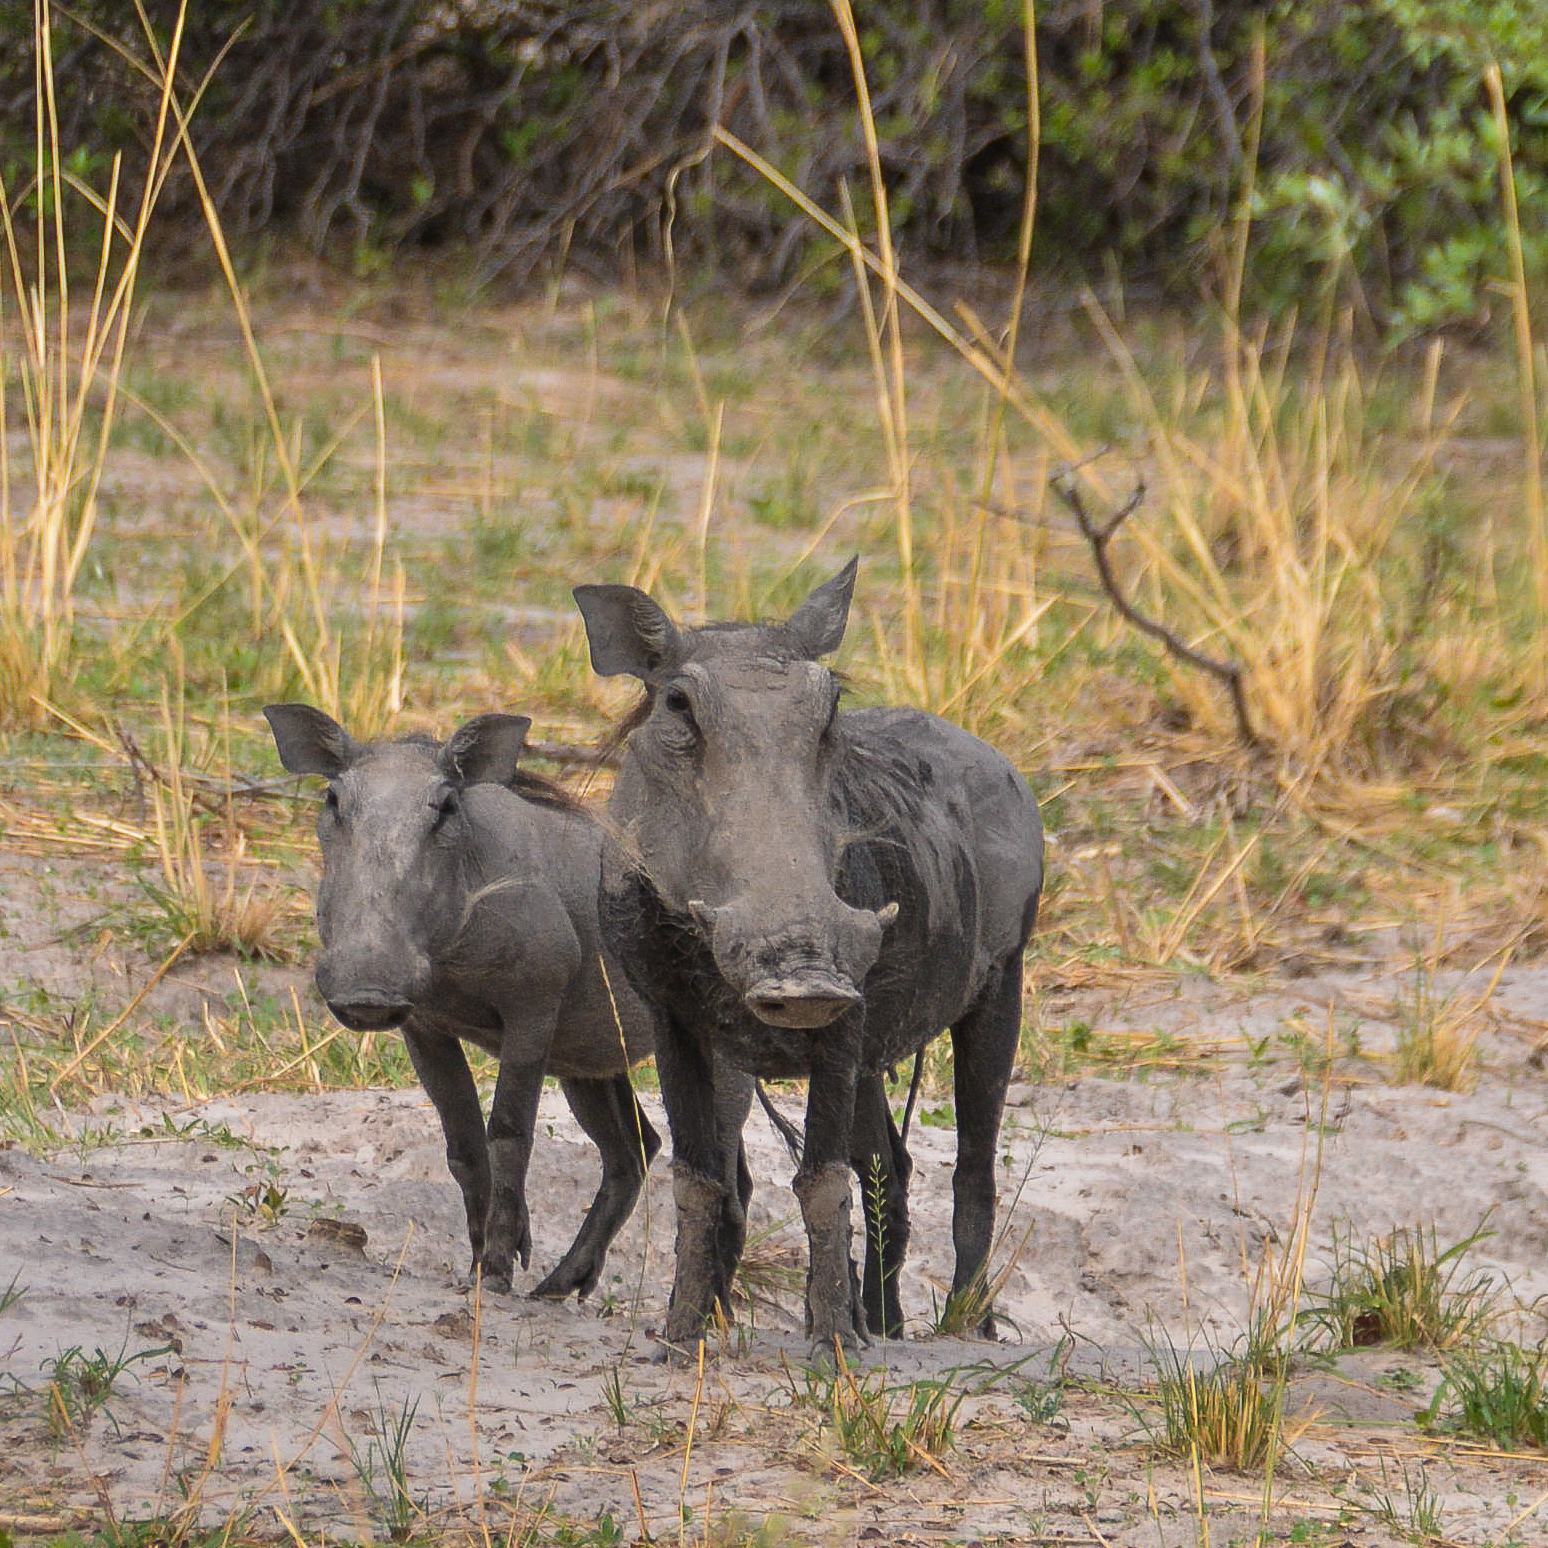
204, 898
1281, 539
996, 429
70, 369
884, 339
988, 616
1526, 361
68, 363
292, 590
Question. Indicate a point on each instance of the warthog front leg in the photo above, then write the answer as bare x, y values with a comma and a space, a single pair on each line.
706, 1103
833, 1309
443, 1071
700, 1283
832, 1296
512, 1118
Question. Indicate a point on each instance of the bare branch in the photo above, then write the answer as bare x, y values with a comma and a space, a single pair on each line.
1099, 535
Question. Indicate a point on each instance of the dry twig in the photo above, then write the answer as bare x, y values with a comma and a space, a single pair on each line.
1099, 535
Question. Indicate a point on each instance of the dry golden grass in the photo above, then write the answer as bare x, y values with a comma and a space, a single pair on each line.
67, 368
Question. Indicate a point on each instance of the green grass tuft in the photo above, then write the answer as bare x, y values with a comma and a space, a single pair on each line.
1403, 1291
1496, 1392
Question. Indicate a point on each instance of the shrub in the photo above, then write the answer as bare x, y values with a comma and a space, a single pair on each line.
529, 134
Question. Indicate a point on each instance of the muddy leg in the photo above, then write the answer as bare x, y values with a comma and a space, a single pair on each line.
822, 1185
707, 1207
733, 1098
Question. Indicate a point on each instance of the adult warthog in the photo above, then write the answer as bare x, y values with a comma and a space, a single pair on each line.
458, 902
802, 890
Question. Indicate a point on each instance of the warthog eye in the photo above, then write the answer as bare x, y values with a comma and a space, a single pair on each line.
331, 801
445, 805
678, 703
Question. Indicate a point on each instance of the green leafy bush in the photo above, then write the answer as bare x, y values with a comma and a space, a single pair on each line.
532, 134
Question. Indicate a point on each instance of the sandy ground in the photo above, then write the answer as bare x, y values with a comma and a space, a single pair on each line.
274, 1341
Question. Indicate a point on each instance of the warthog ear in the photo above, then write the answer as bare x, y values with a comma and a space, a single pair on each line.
309, 741
817, 626
627, 630
486, 750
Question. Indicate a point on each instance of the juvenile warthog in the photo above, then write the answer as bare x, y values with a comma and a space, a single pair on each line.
805, 891
459, 901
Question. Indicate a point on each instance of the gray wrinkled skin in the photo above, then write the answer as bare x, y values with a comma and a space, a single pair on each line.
458, 902
806, 891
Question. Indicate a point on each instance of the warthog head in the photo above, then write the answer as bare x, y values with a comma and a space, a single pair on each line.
728, 793
396, 851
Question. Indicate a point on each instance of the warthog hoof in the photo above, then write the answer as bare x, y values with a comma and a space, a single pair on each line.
681, 1353
495, 1275
577, 1279
824, 1352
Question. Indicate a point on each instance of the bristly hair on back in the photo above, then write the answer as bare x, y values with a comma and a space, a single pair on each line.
542, 791
536, 788
634, 717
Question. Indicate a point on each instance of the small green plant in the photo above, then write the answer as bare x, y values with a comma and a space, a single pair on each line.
1401, 1380
616, 1398
1402, 1290
382, 1466
963, 1311
80, 1384
1497, 1392
886, 1429
1415, 1513
876, 1216
266, 1197
605, 1532
1040, 1401
969, 1310
12, 1293
772, 1271
1224, 1410
1041, 1397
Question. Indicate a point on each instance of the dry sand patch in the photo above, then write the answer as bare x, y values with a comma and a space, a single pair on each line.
290, 1331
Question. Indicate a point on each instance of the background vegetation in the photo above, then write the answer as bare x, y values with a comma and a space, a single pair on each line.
527, 136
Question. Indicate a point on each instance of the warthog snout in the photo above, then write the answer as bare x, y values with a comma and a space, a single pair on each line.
368, 996
802, 1000
369, 1010
798, 975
